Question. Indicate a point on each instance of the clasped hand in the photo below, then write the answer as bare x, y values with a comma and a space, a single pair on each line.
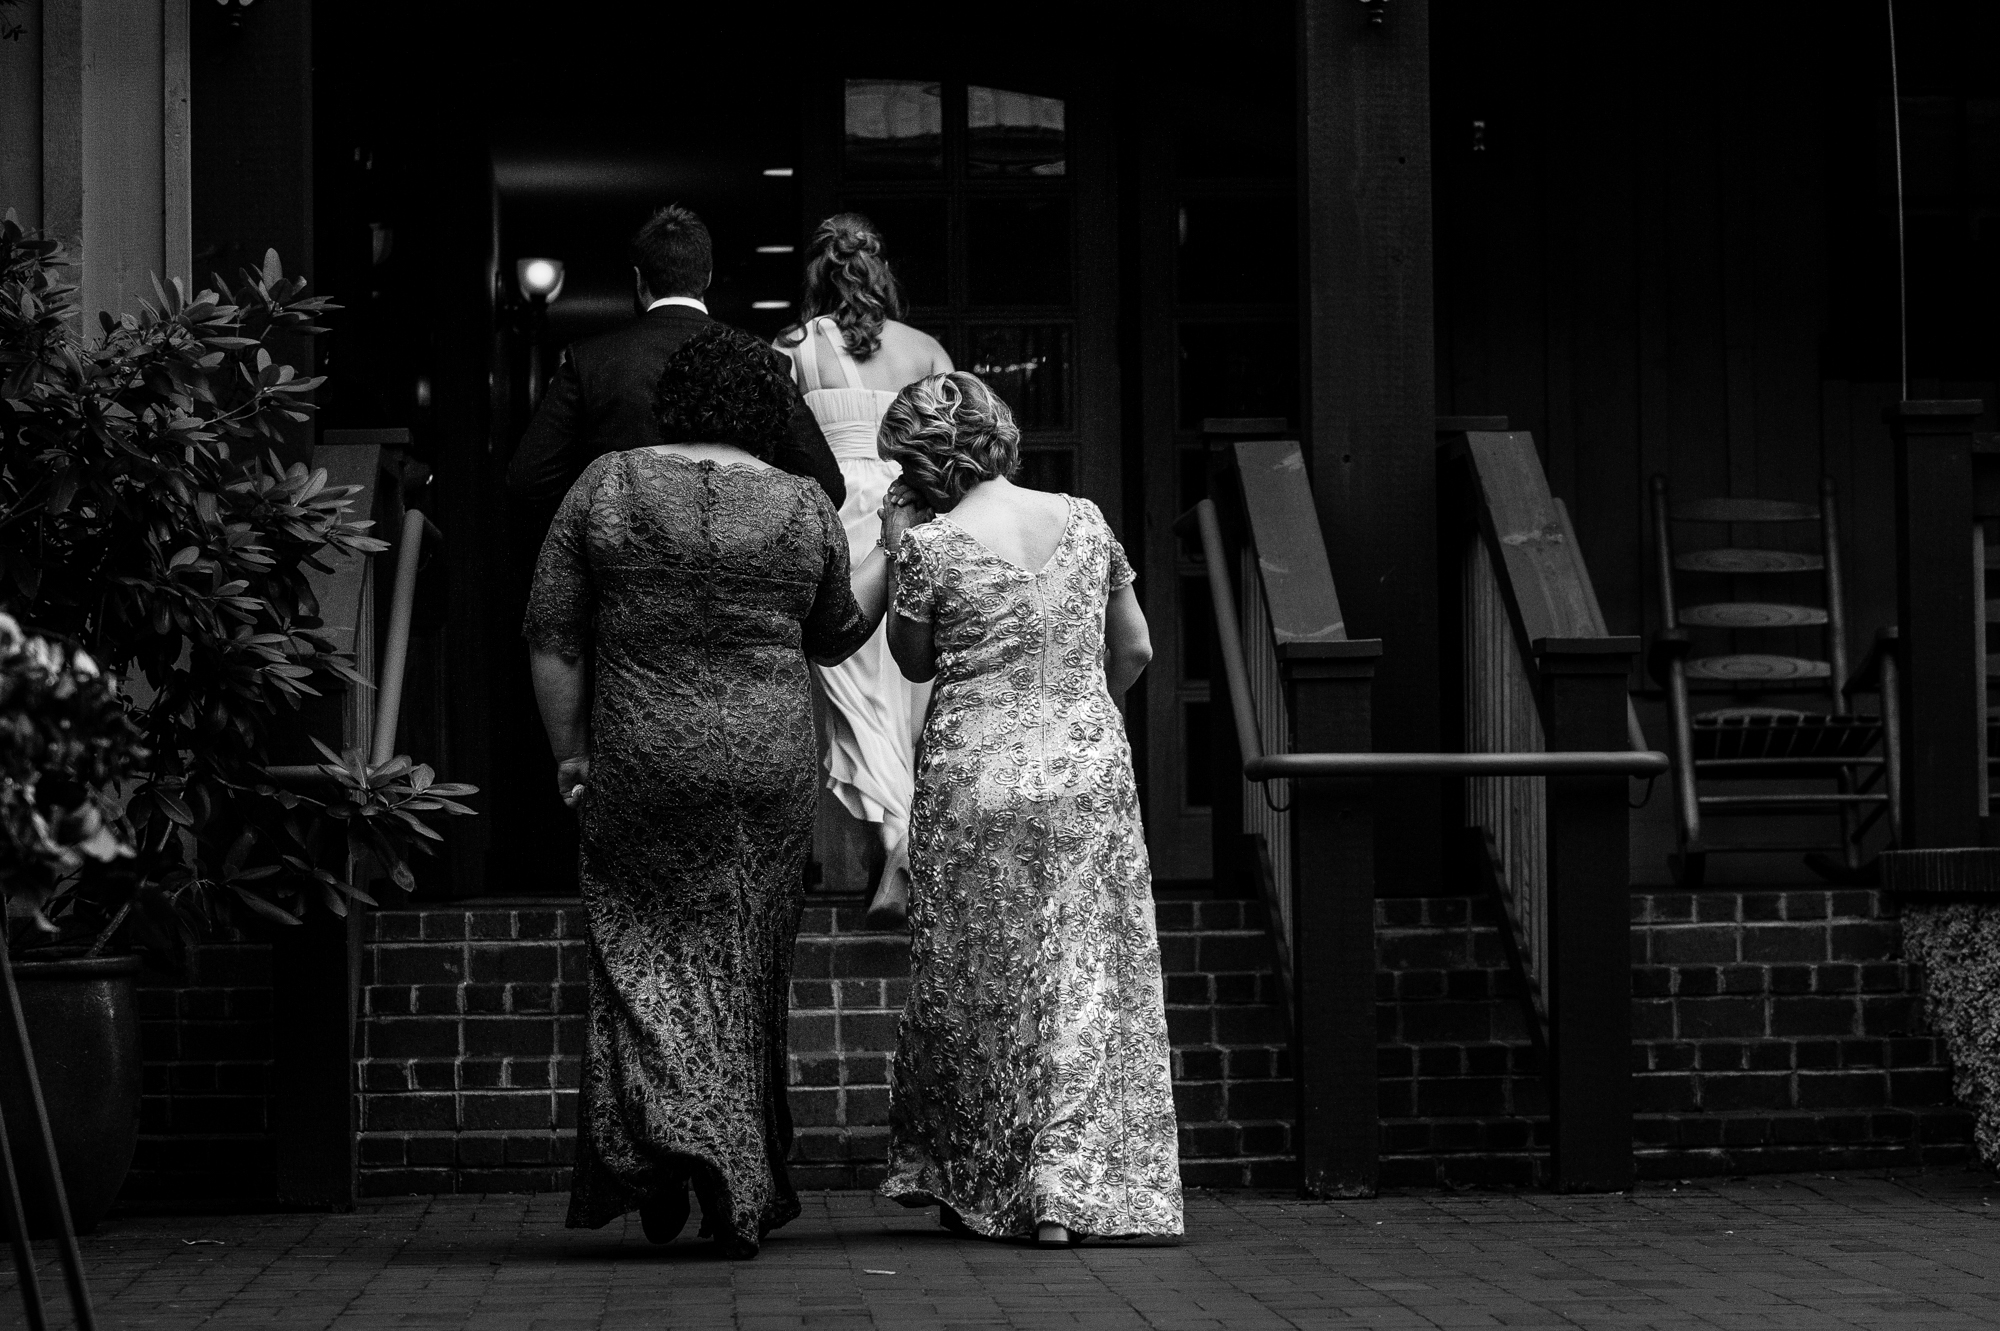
901, 510
572, 779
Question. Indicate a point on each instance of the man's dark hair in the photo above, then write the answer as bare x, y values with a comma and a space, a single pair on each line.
723, 386
673, 254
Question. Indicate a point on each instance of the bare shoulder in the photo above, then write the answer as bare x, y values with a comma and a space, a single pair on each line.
1051, 506
915, 345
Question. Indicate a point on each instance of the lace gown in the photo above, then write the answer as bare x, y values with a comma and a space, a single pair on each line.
1031, 1080
696, 591
873, 713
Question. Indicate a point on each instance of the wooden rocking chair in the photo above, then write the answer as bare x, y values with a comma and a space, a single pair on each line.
1806, 751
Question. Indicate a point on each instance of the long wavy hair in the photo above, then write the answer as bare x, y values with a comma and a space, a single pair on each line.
847, 277
950, 432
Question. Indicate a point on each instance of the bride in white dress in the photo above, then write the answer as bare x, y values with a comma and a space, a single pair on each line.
851, 356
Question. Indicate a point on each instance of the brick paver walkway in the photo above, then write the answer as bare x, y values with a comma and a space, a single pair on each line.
1798, 1251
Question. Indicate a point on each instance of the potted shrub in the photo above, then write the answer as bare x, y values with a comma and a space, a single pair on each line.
66, 746
146, 518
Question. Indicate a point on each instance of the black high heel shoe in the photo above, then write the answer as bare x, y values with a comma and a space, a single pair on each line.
729, 1245
665, 1216
889, 908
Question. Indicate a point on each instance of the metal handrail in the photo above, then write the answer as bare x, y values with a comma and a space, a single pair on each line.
1617, 762
395, 662
1260, 766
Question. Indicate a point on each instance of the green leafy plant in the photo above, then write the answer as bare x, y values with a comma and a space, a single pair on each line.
146, 515
66, 746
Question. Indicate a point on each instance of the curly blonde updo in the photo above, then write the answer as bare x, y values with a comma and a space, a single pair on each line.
950, 432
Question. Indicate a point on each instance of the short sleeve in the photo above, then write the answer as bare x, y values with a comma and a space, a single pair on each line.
562, 602
834, 627
1118, 569
916, 587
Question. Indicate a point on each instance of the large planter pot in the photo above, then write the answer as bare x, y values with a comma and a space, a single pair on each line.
83, 1024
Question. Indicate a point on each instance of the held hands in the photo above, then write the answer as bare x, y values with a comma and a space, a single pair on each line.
901, 510
572, 780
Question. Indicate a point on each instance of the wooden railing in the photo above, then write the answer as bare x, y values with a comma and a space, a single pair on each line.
1537, 673
1299, 687
1300, 705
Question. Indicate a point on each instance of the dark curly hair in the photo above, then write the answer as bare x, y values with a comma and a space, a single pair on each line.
847, 277
950, 432
723, 386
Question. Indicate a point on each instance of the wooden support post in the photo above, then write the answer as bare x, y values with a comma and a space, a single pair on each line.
1938, 595
316, 967
314, 984
1589, 977
1368, 367
1328, 688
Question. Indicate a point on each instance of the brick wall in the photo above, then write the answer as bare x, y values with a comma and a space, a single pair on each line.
1233, 1089
1772, 1030
848, 987
471, 1048
1460, 1086
1782, 1031
204, 1112
473, 1028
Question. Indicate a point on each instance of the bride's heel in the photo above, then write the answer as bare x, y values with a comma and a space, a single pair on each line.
889, 909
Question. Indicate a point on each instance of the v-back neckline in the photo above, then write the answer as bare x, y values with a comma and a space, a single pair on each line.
1069, 525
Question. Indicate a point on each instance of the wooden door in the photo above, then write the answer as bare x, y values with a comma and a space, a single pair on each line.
996, 201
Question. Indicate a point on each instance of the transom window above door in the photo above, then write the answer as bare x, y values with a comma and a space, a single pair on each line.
896, 131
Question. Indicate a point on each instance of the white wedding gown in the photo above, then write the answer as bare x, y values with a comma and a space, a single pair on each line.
874, 715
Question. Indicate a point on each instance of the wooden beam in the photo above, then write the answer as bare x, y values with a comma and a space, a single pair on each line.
123, 103
62, 123
316, 971
1368, 373
1589, 977
176, 142
1333, 932
21, 113
1938, 597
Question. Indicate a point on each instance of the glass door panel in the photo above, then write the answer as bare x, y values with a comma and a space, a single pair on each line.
1017, 251
1014, 134
895, 130
915, 240
1028, 366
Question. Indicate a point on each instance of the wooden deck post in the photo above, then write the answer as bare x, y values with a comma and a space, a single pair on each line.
1937, 593
316, 966
1333, 919
1369, 371
1589, 974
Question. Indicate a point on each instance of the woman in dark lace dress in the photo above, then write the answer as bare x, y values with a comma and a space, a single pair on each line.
678, 597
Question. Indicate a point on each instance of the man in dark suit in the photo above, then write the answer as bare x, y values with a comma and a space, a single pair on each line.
601, 398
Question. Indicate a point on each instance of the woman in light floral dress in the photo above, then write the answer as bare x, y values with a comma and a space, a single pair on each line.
1031, 1093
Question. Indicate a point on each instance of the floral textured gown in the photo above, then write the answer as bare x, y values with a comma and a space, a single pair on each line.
696, 591
1031, 1080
